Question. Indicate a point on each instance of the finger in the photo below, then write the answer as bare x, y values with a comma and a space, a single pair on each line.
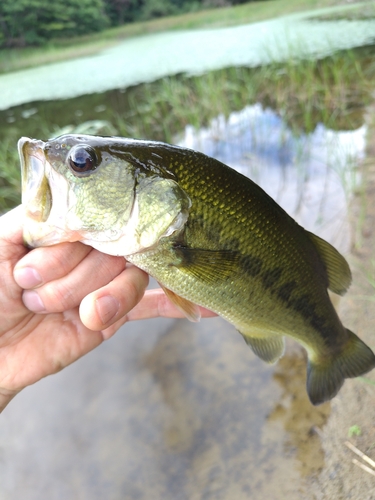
154, 304
11, 241
43, 265
93, 272
110, 303
11, 251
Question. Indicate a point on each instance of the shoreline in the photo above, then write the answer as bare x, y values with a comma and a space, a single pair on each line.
340, 478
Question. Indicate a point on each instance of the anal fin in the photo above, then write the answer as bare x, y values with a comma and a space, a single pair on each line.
269, 348
189, 309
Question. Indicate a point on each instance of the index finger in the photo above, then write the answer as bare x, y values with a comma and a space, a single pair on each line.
155, 304
11, 225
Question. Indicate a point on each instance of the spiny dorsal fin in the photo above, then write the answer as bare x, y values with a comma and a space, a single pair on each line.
209, 266
190, 310
338, 271
269, 348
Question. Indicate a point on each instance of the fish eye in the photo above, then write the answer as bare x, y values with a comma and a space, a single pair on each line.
82, 159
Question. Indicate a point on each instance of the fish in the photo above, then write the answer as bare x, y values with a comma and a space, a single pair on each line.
210, 236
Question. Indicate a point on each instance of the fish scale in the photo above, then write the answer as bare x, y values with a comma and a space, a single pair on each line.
208, 234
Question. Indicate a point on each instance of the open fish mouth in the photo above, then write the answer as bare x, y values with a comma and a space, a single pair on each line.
36, 192
43, 213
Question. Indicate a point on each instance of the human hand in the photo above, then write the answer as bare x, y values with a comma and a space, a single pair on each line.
58, 303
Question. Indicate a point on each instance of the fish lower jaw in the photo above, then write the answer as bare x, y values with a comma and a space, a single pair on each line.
34, 212
36, 234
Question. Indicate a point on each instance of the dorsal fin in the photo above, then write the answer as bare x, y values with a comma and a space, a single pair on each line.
338, 271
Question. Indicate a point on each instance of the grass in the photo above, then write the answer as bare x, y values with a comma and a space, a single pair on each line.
366, 380
58, 50
360, 13
10, 178
354, 430
334, 91
369, 273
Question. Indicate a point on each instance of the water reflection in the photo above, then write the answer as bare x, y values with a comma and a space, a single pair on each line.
310, 175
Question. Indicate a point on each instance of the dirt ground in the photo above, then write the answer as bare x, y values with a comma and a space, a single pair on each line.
340, 478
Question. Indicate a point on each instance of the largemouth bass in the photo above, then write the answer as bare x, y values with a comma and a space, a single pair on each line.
209, 235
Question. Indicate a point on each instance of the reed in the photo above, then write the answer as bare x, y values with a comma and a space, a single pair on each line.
10, 177
334, 91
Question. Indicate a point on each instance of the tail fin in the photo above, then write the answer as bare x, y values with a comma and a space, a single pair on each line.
325, 379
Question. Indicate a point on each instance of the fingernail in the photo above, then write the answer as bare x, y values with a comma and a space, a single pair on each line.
27, 277
32, 301
107, 307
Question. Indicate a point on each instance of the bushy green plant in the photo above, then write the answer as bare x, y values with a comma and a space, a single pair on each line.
10, 175
333, 91
31, 22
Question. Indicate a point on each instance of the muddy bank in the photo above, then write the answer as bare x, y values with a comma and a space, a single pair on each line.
340, 478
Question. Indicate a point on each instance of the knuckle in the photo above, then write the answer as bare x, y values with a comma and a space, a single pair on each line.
110, 265
58, 297
132, 295
133, 291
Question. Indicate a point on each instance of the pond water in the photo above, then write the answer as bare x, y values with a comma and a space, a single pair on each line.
151, 57
310, 175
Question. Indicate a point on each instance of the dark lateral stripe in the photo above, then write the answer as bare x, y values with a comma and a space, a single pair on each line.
288, 294
303, 306
251, 265
285, 291
271, 277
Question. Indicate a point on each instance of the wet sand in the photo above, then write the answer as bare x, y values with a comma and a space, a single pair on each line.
355, 405
165, 410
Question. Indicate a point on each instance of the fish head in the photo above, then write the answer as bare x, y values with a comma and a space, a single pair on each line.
98, 191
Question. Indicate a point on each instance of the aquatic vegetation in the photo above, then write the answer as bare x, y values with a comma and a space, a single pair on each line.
81, 46
147, 58
333, 91
10, 177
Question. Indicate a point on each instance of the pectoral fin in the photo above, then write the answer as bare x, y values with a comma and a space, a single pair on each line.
268, 348
190, 310
209, 266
